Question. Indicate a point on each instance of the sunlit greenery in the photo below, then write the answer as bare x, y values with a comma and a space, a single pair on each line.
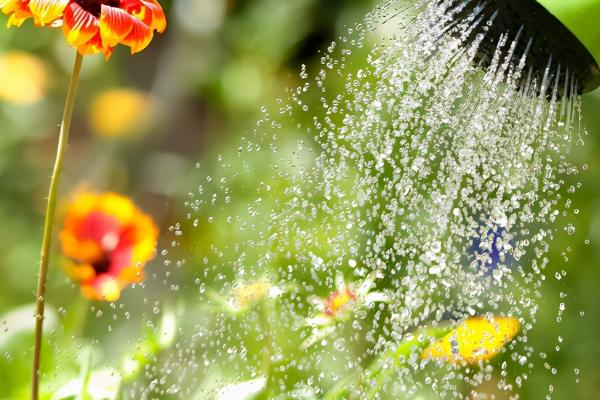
152, 127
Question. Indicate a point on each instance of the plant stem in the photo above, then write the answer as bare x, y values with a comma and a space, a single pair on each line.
267, 362
384, 367
49, 223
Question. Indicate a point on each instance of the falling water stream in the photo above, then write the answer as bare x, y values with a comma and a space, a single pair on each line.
424, 190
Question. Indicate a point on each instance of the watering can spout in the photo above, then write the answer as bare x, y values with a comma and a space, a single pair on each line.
552, 40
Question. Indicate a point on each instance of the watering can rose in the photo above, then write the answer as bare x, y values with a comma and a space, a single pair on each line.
109, 240
93, 26
474, 340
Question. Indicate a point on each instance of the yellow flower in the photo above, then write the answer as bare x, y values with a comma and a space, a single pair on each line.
23, 78
474, 340
246, 295
120, 112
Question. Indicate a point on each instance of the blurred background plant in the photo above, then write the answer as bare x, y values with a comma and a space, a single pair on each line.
140, 128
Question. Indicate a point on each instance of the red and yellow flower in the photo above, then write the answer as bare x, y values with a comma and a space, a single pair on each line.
340, 305
93, 26
109, 240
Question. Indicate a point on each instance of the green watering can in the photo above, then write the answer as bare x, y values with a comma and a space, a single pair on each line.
582, 18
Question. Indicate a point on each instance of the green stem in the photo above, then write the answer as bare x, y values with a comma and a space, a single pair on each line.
49, 223
86, 372
383, 367
267, 363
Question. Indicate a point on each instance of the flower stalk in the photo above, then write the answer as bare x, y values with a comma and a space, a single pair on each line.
63, 140
384, 366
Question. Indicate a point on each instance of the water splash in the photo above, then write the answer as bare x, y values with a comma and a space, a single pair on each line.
426, 189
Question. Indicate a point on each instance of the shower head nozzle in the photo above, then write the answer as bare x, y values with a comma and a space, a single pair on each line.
562, 34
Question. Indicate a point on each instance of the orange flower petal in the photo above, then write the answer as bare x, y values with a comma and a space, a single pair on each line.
140, 36
92, 46
115, 25
81, 272
107, 52
79, 26
158, 20
45, 12
82, 250
17, 18
131, 275
18, 10
10, 6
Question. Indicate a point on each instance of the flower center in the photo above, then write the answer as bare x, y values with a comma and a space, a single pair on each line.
337, 301
94, 7
101, 266
248, 294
